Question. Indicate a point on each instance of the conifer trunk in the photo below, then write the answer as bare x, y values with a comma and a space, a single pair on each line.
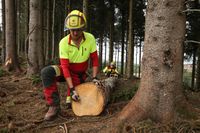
161, 80
11, 51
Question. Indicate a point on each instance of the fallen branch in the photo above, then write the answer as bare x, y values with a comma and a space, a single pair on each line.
191, 10
192, 41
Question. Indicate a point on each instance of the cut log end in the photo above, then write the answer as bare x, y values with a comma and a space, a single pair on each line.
93, 97
92, 100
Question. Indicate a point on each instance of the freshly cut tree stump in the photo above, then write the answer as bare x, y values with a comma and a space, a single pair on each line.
93, 97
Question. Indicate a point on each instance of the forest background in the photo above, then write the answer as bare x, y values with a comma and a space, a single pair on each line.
32, 29
108, 21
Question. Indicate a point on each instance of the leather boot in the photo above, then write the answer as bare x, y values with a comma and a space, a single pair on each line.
52, 113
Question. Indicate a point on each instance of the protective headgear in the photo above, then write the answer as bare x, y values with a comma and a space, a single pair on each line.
75, 20
112, 63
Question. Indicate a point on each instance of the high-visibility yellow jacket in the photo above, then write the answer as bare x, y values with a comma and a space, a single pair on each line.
75, 59
110, 70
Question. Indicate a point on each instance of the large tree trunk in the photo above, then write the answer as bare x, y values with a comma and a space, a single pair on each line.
35, 40
161, 80
11, 52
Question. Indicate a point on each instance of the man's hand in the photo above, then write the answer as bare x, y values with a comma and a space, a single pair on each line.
74, 95
96, 80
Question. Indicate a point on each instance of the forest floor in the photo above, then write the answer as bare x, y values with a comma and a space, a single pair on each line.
22, 109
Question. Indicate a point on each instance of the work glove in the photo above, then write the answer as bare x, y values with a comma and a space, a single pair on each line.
95, 80
74, 95
108, 74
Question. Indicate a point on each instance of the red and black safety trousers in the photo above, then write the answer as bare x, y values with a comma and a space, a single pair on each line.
50, 75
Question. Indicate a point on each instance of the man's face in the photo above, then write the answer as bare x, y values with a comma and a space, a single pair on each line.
76, 34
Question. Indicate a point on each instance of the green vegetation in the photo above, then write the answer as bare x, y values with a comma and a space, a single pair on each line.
2, 72
124, 94
186, 114
36, 79
4, 130
187, 78
55, 61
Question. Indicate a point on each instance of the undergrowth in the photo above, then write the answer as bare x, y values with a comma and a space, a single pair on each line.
2, 72
124, 94
179, 126
35, 79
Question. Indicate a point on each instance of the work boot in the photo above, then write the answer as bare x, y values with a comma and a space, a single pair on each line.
68, 102
52, 113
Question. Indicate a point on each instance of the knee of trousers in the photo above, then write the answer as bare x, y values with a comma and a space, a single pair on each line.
48, 75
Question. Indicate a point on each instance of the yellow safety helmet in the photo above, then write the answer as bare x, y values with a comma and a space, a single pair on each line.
75, 20
112, 63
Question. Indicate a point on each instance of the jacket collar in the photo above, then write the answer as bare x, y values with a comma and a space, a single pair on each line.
70, 39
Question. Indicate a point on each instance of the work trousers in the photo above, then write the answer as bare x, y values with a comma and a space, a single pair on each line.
50, 75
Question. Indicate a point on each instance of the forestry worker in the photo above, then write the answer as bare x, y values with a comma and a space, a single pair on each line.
111, 70
75, 50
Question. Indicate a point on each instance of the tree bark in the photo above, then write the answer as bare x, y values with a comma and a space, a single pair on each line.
35, 40
58, 24
195, 52
111, 30
130, 43
26, 29
100, 51
140, 57
161, 81
18, 29
3, 50
11, 51
197, 71
86, 11
123, 21
53, 30
105, 51
48, 47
